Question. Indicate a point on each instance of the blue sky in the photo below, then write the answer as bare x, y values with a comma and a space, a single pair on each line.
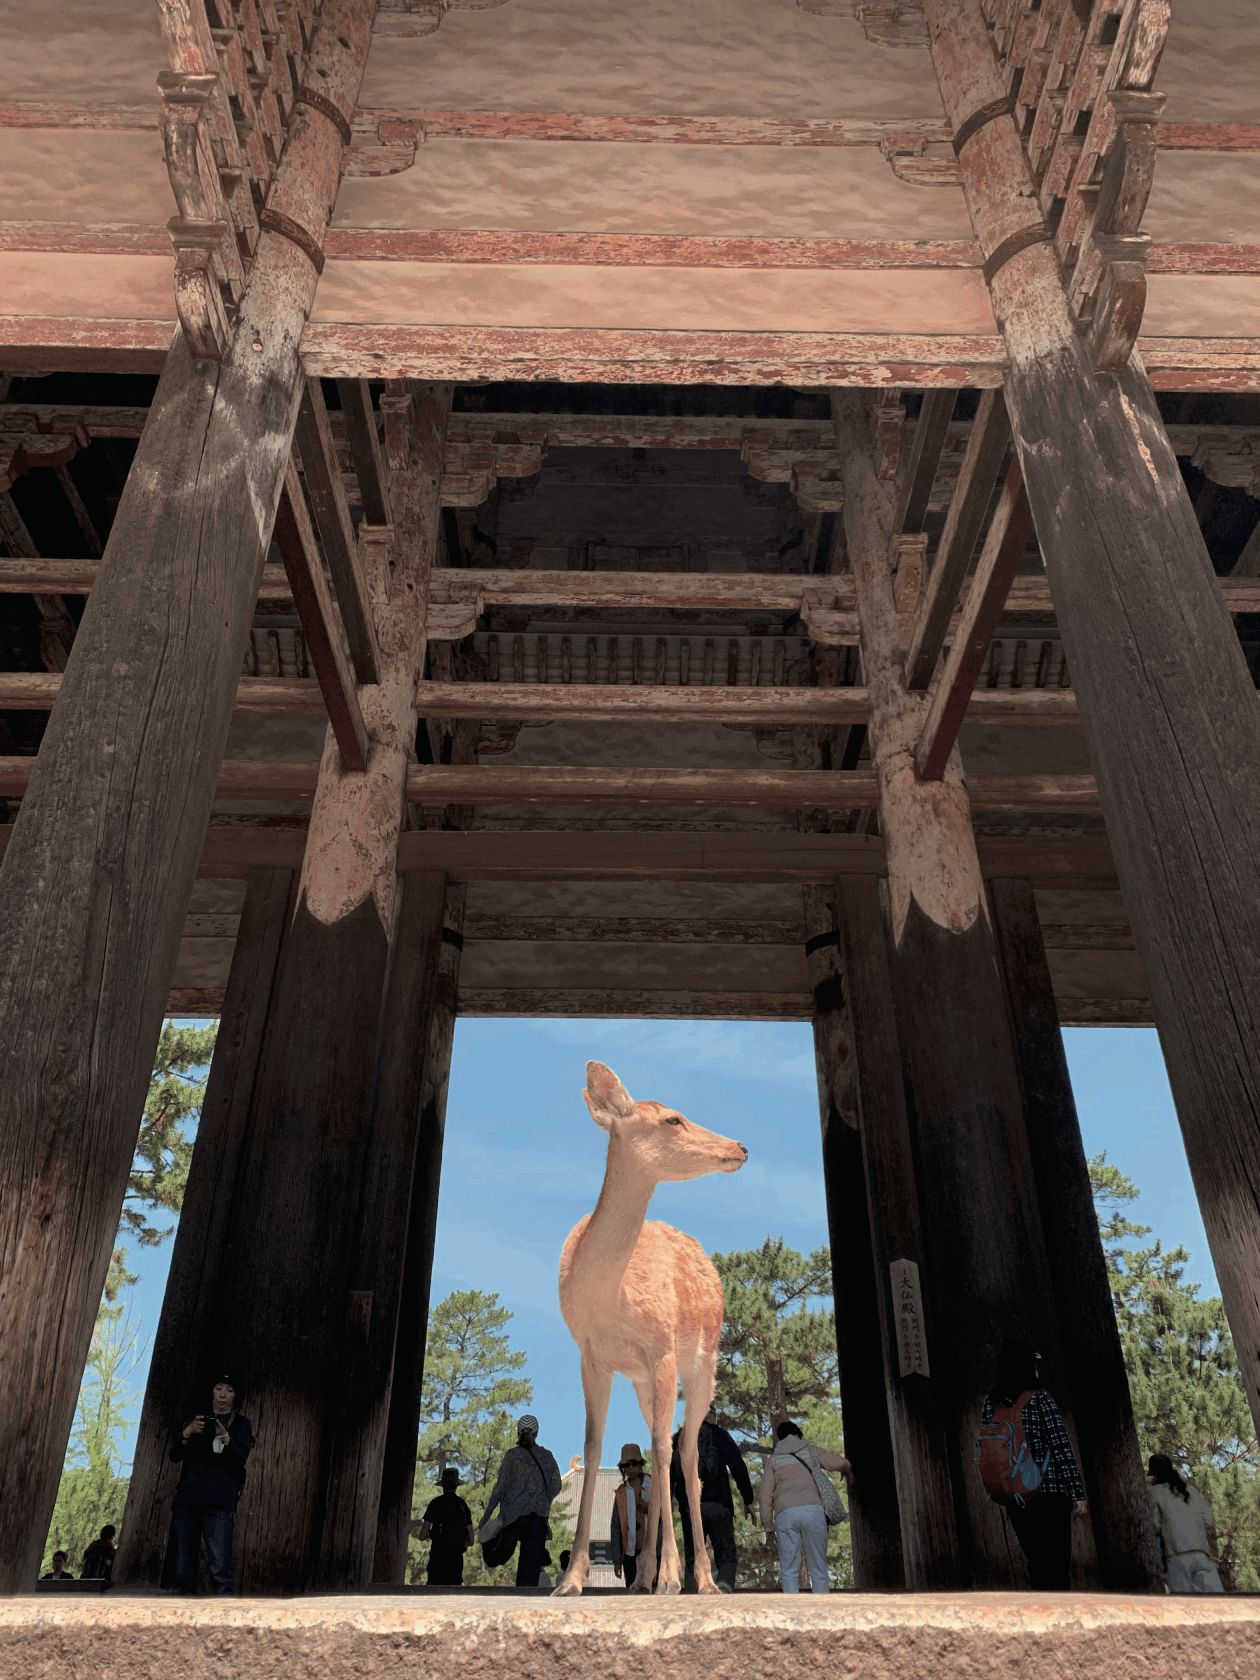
524, 1162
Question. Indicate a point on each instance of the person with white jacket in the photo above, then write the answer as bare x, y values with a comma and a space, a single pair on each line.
1186, 1529
791, 1508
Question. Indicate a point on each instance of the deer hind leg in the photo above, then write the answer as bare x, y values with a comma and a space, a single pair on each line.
668, 1576
698, 1382
596, 1387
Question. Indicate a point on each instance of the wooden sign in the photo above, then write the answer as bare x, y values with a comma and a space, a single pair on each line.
912, 1354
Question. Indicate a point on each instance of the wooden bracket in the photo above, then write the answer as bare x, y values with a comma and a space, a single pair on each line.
411, 18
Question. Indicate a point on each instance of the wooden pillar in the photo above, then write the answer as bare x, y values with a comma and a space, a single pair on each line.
925, 1495
182, 1346
398, 1470
1167, 703
988, 1274
874, 1514
358, 1437
103, 854
292, 1316
1119, 1500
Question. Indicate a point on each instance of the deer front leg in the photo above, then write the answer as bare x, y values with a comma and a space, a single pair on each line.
690, 1459
596, 1387
668, 1578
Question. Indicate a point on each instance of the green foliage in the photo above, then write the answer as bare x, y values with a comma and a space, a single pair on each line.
473, 1393
159, 1171
778, 1359
1188, 1395
93, 1489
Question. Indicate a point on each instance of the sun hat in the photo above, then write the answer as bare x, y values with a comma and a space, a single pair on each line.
631, 1453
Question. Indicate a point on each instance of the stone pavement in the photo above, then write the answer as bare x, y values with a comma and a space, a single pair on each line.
498, 1636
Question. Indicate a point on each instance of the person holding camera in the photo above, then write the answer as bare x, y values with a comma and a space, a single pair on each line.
212, 1447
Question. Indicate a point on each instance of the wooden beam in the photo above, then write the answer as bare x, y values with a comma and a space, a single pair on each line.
633, 1003
133, 749
925, 456
37, 691
569, 784
359, 420
1167, 700
322, 472
472, 588
954, 682
986, 448
321, 625
623, 930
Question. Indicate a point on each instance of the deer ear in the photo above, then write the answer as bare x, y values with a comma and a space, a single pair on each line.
605, 1096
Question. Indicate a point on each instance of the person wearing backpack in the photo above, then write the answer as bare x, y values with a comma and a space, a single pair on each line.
528, 1481
798, 1503
1027, 1465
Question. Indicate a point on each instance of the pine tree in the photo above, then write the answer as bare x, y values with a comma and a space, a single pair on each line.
778, 1360
159, 1171
1188, 1395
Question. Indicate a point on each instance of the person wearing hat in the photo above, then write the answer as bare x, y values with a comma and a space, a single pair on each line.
528, 1481
629, 1513
212, 1447
448, 1525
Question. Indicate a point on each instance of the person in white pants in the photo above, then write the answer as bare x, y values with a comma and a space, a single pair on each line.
1186, 1529
791, 1509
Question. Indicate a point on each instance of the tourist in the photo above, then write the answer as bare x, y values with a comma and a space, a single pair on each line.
59, 1572
720, 1459
448, 1526
629, 1513
98, 1559
528, 1481
1028, 1467
212, 1447
792, 1506
1186, 1529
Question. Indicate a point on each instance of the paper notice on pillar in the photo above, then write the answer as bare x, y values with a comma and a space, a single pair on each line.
912, 1356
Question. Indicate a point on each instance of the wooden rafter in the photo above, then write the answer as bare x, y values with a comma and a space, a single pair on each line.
322, 473
925, 457
359, 421
321, 625
986, 449
954, 682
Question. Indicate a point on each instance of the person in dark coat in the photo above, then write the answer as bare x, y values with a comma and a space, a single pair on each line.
720, 1459
212, 1447
98, 1559
448, 1526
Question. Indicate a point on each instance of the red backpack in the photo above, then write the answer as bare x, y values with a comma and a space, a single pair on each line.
1010, 1473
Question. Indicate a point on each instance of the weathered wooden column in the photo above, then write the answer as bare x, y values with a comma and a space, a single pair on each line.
874, 1513
925, 1496
291, 1312
1167, 703
1093, 1362
988, 1276
97, 874
398, 1467
183, 1344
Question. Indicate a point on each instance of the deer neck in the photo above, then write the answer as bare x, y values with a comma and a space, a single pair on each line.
614, 1227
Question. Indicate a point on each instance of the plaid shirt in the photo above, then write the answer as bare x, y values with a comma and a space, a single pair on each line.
1045, 1434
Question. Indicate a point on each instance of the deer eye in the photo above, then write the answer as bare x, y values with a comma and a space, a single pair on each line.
673, 1120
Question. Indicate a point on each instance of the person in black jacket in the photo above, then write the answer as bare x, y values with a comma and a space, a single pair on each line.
448, 1525
213, 1448
720, 1459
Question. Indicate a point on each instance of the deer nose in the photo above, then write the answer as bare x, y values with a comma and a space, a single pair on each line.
743, 1149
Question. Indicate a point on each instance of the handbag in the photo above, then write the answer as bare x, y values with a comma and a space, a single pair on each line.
828, 1498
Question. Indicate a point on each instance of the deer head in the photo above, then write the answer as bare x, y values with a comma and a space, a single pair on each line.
659, 1141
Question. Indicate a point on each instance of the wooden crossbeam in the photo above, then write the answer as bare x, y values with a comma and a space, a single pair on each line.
772, 592
986, 449
321, 625
359, 418
529, 785
955, 680
925, 457
493, 702
322, 473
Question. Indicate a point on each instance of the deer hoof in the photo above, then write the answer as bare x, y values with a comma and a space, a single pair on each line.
568, 1587
641, 1586
708, 1587
666, 1586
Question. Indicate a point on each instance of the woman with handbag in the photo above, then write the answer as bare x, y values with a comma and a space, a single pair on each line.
798, 1503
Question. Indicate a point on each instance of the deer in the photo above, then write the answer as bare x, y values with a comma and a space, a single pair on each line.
642, 1299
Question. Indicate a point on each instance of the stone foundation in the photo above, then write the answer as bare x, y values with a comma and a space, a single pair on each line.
752, 1637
